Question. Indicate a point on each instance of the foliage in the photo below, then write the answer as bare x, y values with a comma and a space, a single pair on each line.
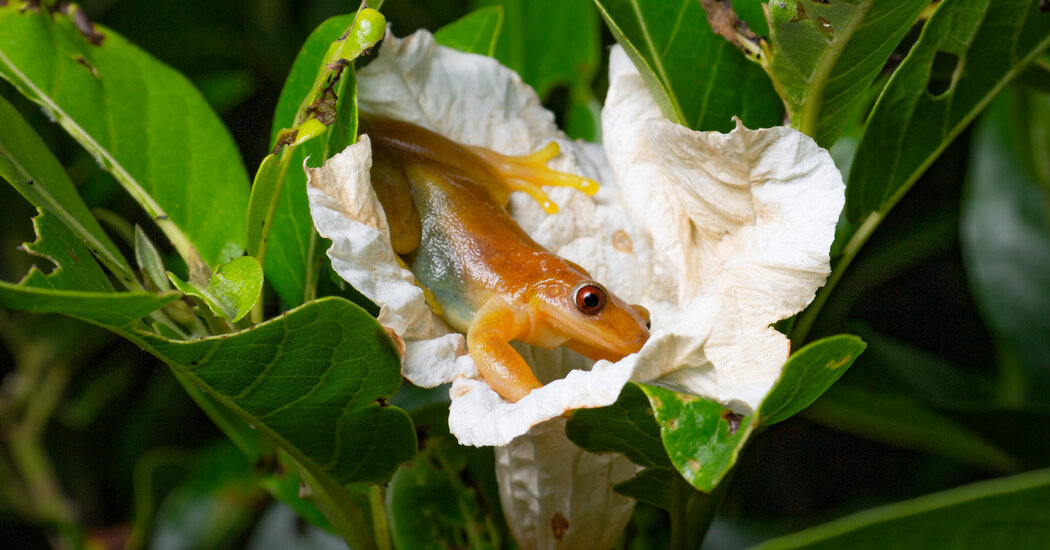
147, 239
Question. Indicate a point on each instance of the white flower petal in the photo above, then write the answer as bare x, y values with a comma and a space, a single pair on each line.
583, 512
745, 219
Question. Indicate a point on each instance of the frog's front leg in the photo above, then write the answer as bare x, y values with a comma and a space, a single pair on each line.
488, 342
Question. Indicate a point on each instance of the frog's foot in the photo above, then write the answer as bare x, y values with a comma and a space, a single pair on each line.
528, 172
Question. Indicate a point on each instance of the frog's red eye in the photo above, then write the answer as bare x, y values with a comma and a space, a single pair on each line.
590, 298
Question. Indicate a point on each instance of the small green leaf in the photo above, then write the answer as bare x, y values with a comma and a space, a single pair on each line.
232, 290
808, 373
698, 78
27, 164
825, 53
475, 32
1002, 513
979, 46
142, 120
149, 261
77, 286
628, 426
702, 438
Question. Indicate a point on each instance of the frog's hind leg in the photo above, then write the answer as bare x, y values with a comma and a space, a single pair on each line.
528, 172
392, 189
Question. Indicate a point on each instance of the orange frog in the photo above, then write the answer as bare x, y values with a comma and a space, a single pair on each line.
444, 203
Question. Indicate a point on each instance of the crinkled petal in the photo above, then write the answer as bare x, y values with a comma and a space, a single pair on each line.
744, 219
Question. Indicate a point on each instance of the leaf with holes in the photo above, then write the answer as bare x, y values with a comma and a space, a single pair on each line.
703, 439
968, 50
826, 53
27, 164
142, 120
77, 286
699, 79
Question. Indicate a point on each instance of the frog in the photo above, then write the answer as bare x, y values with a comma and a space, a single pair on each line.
446, 207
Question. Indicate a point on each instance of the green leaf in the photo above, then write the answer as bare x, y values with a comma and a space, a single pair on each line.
1002, 513
232, 290
703, 439
825, 54
430, 506
549, 43
143, 121
314, 381
808, 373
554, 44
292, 246
475, 32
628, 426
698, 78
27, 164
984, 45
149, 261
77, 286
899, 420
1005, 238
651, 485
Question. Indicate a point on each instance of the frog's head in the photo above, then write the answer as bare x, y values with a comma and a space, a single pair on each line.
580, 313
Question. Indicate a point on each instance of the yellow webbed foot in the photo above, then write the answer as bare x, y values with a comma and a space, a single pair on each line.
528, 172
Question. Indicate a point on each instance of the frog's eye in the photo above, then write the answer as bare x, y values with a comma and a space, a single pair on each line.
590, 298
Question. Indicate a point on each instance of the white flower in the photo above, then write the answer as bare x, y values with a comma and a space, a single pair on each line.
718, 235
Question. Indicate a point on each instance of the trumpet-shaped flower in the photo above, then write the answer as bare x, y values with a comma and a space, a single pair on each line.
717, 235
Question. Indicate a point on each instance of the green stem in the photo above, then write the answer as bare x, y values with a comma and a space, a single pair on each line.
692, 512
856, 242
379, 521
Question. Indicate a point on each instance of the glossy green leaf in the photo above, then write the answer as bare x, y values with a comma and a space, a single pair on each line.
27, 164
1002, 513
292, 245
549, 43
702, 438
698, 78
988, 43
900, 421
555, 45
808, 373
825, 54
76, 286
475, 32
628, 426
1005, 237
143, 121
231, 291
314, 381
